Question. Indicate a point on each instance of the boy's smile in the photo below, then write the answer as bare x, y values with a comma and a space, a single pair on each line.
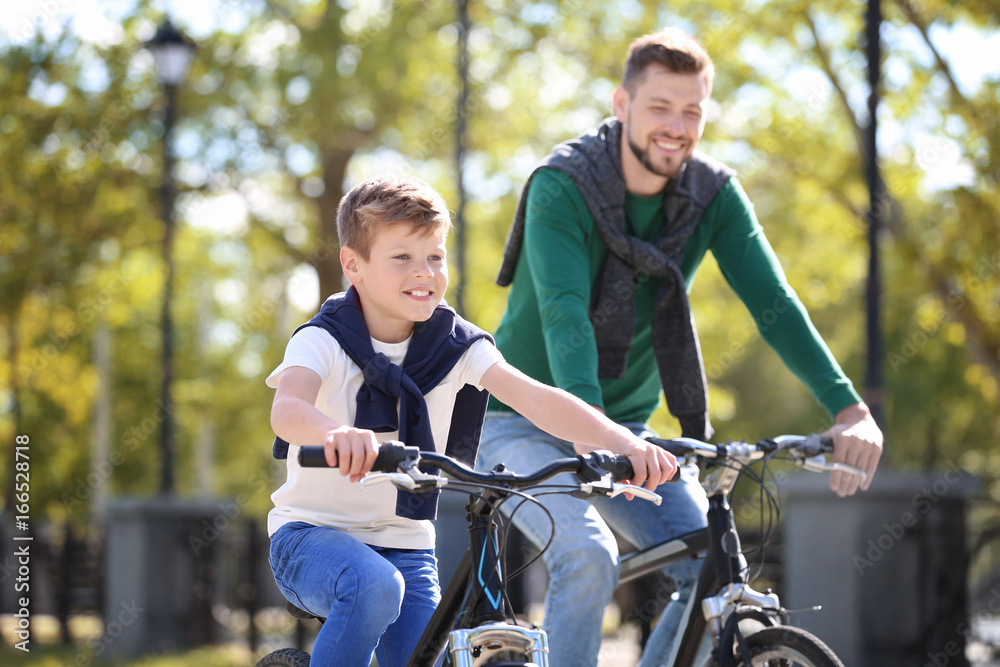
402, 281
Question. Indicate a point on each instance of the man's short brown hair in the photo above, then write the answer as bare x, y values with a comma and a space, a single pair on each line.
387, 200
671, 47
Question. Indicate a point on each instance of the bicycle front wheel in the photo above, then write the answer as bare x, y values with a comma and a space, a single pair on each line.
787, 646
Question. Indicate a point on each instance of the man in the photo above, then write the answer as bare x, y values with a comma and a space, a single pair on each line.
609, 233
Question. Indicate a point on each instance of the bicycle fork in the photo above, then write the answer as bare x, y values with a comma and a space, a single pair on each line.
726, 553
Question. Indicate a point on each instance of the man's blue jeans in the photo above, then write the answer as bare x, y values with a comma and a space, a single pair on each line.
375, 600
583, 558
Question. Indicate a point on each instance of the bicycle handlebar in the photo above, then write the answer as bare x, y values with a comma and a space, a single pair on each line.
592, 469
808, 451
810, 445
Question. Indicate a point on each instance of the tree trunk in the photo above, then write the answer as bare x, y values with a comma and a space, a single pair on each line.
326, 259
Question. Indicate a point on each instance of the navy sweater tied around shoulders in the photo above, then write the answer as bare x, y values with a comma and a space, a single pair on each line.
435, 347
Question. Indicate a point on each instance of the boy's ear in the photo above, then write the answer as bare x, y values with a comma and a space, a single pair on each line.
349, 263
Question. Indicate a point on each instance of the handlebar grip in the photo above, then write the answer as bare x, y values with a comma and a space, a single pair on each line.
390, 455
312, 456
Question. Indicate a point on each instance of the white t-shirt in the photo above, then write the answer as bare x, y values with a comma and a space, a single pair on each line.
323, 497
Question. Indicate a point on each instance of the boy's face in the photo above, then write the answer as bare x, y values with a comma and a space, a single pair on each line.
402, 281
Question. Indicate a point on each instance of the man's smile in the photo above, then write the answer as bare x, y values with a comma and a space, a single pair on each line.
668, 145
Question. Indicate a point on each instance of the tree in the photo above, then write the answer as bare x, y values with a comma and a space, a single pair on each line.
289, 103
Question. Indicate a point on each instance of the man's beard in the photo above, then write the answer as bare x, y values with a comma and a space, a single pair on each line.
643, 156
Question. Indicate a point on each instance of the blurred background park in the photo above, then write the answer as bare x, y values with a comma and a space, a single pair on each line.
161, 237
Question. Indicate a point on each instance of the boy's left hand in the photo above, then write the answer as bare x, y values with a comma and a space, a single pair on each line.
652, 466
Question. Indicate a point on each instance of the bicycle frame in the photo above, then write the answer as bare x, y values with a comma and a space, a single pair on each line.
721, 571
474, 609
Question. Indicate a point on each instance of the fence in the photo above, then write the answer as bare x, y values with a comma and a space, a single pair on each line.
71, 569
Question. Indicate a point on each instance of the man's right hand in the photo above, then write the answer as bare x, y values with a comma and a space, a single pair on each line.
857, 441
353, 450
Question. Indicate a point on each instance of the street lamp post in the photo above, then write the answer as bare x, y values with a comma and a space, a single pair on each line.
874, 393
145, 559
172, 53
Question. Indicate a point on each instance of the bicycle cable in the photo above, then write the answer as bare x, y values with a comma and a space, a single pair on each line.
770, 505
552, 521
768, 508
504, 524
770, 512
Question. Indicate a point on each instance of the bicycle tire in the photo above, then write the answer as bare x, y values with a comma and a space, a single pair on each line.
497, 661
505, 659
286, 657
787, 646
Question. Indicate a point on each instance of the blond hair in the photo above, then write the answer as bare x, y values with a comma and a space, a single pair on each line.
387, 200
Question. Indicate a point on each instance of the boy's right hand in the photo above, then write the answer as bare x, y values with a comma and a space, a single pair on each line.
351, 449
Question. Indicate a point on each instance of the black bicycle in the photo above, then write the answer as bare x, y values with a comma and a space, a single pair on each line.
746, 627
475, 624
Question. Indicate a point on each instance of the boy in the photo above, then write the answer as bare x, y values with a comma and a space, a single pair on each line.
364, 558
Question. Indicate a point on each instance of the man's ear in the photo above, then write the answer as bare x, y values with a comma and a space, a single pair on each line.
349, 263
619, 102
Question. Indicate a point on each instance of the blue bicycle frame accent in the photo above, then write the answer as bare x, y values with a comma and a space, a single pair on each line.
494, 566
486, 590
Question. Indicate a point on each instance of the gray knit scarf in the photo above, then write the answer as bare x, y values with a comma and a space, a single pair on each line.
593, 161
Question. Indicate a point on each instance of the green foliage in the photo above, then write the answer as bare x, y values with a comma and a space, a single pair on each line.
300, 100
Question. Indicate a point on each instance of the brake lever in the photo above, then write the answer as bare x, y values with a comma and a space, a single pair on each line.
397, 478
819, 463
613, 489
404, 481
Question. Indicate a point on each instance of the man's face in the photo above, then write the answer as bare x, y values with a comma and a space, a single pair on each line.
664, 119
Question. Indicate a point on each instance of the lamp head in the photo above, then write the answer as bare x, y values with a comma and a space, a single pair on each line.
172, 52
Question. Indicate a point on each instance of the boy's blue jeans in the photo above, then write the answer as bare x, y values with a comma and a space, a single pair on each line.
583, 558
376, 600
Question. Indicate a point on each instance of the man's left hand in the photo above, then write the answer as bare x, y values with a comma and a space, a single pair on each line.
857, 442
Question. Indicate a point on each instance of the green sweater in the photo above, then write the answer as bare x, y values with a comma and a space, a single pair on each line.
546, 331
